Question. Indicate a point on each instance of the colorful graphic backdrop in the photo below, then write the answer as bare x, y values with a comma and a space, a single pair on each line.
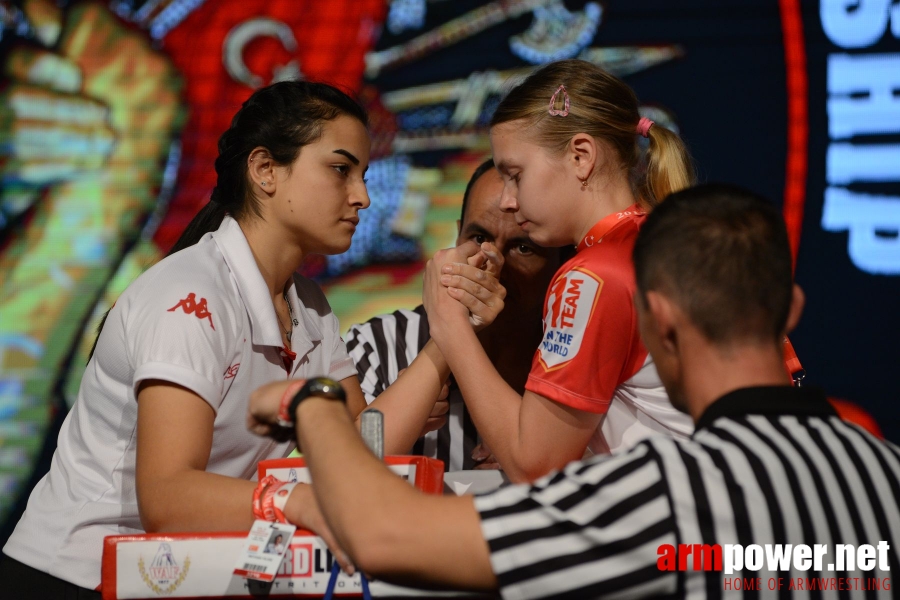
110, 112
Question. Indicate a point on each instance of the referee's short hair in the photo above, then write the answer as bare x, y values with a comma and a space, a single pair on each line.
481, 170
722, 254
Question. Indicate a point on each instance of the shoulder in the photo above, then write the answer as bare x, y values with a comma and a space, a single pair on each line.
200, 266
601, 466
196, 280
604, 480
622, 474
608, 263
311, 295
416, 315
593, 274
613, 251
387, 327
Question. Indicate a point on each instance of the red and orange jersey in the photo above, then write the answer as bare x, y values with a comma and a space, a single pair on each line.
591, 341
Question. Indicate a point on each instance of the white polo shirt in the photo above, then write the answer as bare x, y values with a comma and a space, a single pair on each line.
201, 318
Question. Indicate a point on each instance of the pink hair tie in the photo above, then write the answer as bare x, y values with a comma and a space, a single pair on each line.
555, 112
643, 126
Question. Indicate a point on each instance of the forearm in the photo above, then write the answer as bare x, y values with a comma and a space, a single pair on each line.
396, 532
175, 430
407, 402
194, 500
342, 467
494, 406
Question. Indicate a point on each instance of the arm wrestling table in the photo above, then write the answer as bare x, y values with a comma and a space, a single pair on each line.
201, 565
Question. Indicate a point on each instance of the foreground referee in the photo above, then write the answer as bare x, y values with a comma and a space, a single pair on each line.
769, 464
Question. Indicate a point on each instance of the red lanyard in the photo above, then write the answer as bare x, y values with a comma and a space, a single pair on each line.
607, 224
792, 363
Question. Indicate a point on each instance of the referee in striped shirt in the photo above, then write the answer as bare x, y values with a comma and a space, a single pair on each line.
769, 465
387, 344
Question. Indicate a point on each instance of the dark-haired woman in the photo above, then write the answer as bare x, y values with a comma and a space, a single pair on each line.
157, 439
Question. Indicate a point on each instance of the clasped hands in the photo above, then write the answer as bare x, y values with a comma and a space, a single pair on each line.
461, 284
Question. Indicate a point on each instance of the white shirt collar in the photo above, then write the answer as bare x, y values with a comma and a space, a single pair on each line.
266, 329
306, 329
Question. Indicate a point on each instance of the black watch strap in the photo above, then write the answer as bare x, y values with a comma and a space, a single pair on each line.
323, 387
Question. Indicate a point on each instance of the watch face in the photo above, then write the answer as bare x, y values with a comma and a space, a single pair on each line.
327, 387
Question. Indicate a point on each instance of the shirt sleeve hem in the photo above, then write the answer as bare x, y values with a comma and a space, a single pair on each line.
565, 397
210, 392
342, 369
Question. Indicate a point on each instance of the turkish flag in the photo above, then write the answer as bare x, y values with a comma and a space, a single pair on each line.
325, 41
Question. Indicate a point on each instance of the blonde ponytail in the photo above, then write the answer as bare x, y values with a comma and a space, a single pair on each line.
669, 166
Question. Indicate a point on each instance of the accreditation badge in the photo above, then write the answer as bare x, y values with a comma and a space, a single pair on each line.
264, 550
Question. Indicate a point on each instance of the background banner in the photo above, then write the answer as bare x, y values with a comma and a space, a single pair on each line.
110, 112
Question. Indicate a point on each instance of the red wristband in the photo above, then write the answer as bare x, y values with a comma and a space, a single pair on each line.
257, 493
284, 419
270, 497
259, 497
268, 504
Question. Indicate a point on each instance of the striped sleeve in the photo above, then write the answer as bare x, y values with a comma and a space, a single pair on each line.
367, 361
385, 345
593, 529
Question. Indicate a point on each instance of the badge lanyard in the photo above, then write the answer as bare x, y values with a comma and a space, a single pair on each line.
371, 428
335, 570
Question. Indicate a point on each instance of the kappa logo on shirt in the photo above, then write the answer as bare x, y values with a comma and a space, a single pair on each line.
570, 304
192, 307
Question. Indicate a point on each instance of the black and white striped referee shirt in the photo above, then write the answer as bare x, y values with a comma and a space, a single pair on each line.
385, 345
771, 465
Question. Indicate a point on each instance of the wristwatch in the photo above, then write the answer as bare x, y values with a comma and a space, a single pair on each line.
323, 387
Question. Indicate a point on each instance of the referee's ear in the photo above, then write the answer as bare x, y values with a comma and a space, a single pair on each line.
664, 316
798, 301
658, 318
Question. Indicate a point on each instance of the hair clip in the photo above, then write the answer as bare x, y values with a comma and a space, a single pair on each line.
643, 127
556, 112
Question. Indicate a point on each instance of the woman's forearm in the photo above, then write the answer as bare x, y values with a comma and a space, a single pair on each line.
195, 501
493, 405
407, 402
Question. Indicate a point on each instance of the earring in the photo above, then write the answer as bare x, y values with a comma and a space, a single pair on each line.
583, 183
263, 184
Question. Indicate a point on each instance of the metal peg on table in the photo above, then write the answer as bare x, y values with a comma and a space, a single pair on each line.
372, 430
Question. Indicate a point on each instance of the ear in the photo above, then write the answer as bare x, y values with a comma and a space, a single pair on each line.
583, 152
798, 301
662, 322
261, 168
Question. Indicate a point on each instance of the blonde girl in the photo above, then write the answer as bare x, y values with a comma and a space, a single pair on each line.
566, 143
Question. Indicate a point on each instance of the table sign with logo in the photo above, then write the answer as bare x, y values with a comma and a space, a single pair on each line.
201, 565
